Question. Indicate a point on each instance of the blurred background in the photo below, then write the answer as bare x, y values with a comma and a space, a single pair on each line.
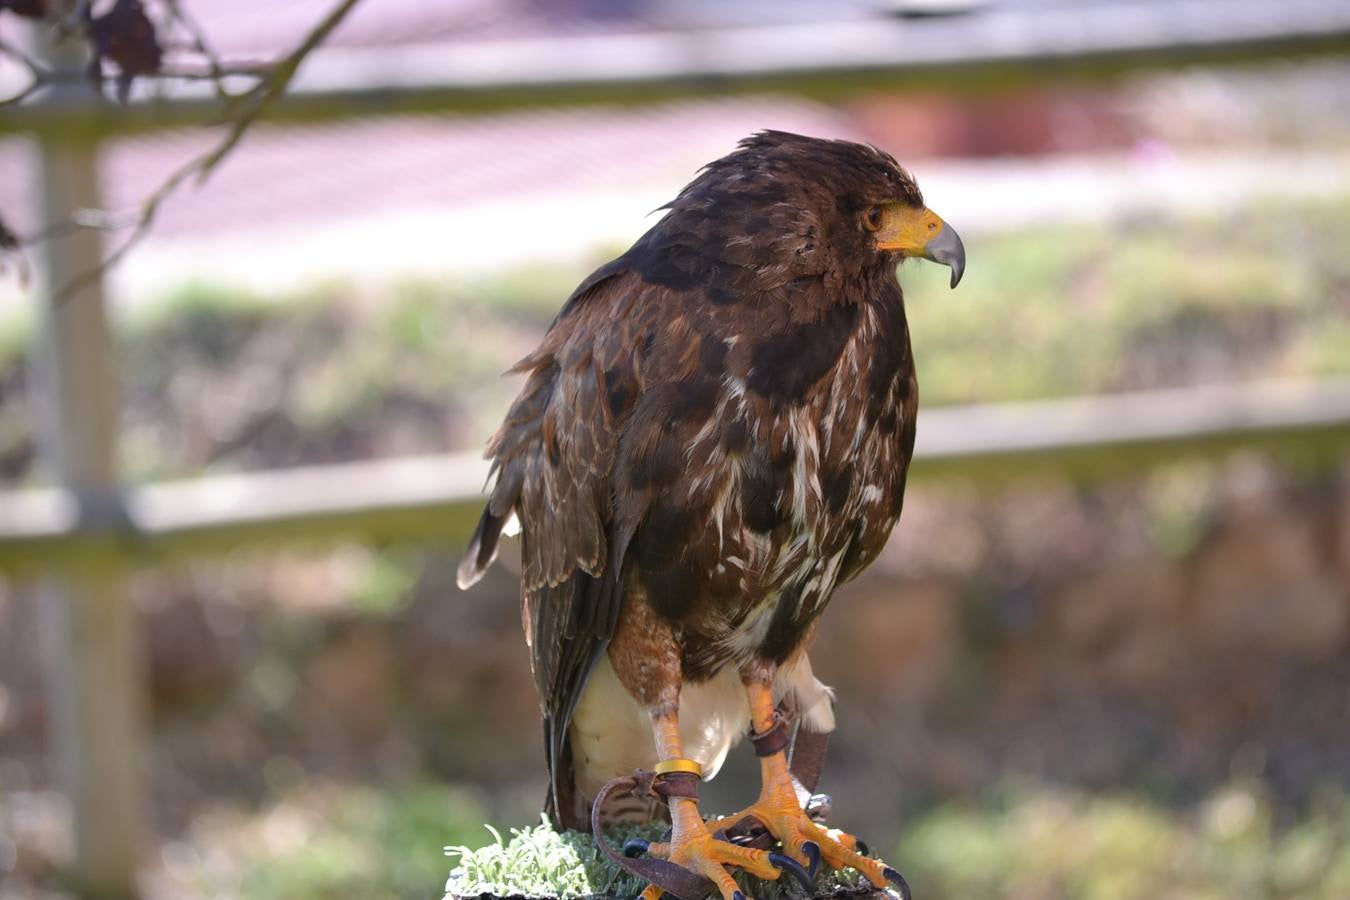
1124, 677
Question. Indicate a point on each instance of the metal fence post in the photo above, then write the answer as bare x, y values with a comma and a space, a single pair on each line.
95, 677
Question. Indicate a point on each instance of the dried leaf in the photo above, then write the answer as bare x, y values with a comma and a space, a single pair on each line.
126, 36
29, 9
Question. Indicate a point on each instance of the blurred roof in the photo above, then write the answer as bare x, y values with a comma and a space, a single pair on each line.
913, 25
434, 55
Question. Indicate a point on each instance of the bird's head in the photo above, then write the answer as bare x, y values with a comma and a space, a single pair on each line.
799, 204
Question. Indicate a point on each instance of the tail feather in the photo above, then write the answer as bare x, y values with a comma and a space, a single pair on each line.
562, 803
482, 549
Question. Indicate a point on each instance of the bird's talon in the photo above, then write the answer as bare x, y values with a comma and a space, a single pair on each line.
811, 850
794, 868
898, 880
812, 845
635, 847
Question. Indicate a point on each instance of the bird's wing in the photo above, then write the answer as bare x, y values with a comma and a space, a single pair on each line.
553, 458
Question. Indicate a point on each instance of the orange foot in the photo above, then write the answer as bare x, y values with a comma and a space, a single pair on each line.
806, 841
693, 846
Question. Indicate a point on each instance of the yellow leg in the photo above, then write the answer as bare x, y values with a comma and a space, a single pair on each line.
691, 843
778, 808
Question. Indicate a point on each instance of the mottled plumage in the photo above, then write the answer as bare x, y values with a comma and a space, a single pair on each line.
713, 435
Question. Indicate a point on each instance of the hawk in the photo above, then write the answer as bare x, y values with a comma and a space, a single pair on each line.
713, 435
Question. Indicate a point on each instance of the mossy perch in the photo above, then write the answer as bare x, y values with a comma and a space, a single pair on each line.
539, 862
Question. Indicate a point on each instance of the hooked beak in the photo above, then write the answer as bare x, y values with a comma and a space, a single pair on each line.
946, 248
921, 232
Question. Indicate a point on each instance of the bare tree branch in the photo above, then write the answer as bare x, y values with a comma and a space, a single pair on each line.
75, 20
200, 44
244, 110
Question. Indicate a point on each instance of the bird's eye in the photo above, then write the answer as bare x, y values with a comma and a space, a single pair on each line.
872, 218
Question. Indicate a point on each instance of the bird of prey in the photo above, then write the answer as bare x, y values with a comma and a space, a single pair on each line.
713, 435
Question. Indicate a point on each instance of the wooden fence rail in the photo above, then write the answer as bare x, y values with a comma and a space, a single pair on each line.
986, 47
437, 498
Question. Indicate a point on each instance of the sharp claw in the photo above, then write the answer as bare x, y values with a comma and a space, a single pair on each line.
862, 847
635, 847
794, 868
898, 880
812, 851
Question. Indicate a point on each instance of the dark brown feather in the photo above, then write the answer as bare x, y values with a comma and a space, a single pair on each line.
714, 433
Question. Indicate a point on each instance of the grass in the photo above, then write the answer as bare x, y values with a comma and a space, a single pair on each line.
540, 862
1067, 310
1030, 843
322, 840
1050, 844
